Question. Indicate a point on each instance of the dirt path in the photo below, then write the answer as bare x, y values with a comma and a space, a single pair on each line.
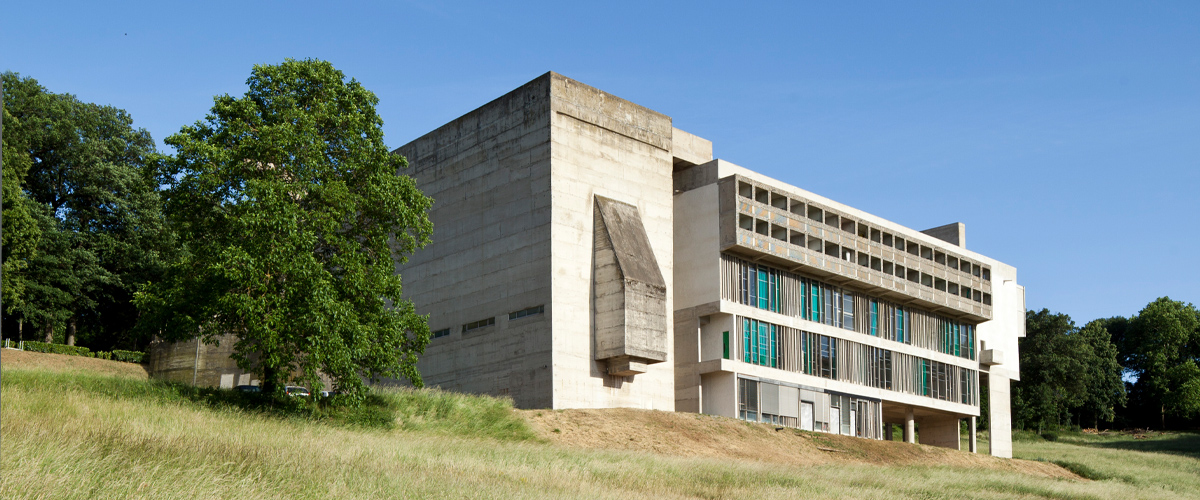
690, 434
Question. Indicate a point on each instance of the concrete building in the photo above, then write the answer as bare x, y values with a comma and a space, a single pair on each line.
587, 254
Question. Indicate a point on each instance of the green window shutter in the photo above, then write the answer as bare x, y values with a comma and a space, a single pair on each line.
725, 345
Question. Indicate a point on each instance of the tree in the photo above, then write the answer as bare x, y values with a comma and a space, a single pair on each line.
92, 188
21, 232
1051, 371
1165, 357
293, 216
1105, 389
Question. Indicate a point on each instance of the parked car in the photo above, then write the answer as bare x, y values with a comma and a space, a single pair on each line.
248, 388
295, 390
326, 394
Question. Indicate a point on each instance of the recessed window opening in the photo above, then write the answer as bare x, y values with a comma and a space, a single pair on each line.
816, 214
761, 195
876, 235
952, 262
887, 240
939, 257
833, 221
779, 201
975, 270
848, 254
926, 253
899, 243
745, 190
965, 292
832, 250
441, 333
847, 225
798, 207
779, 232
987, 299
926, 280
914, 249
914, 276
864, 231
876, 263
815, 244
797, 238
746, 222
475, 325
527, 312
900, 272
987, 274
762, 227
977, 296
952, 288
939, 284
864, 259
887, 268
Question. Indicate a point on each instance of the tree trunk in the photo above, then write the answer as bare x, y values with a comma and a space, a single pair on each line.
21, 329
71, 332
1163, 414
269, 383
49, 332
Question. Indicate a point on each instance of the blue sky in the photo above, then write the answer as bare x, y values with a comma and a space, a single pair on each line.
1066, 137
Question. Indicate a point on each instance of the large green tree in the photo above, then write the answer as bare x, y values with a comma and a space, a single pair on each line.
1051, 371
1105, 388
21, 232
93, 192
293, 215
1164, 356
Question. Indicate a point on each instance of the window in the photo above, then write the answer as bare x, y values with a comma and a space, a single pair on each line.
725, 345
828, 358
748, 399
441, 333
475, 325
526, 312
760, 343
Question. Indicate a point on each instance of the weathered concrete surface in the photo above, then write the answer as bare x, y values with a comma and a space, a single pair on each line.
206, 365
630, 294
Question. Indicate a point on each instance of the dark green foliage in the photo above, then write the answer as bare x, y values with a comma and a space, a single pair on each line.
57, 348
92, 194
292, 215
1066, 372
1164, 355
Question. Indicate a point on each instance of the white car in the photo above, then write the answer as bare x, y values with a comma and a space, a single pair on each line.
295, 390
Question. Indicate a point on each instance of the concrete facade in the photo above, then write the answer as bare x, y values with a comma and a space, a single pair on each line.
588, 254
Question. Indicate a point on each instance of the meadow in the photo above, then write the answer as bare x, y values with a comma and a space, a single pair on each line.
87, 433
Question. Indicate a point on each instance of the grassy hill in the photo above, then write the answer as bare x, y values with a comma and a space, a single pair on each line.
87, 428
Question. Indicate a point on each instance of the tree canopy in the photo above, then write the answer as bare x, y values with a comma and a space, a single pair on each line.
90, 191
292, 215
1165, 358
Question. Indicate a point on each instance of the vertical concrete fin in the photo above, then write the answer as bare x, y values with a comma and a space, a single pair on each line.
629, 291
954, 233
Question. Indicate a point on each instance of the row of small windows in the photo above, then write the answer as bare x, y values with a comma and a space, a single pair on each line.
782, 292
810, 410
486, 322
775, 346
865, 260
843, 223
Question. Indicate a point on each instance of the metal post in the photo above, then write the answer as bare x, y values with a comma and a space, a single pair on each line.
196, 364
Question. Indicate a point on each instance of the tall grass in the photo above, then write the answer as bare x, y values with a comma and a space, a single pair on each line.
100, 437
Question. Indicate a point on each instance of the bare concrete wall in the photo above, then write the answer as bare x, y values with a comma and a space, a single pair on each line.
489, 175
207, 365
606, 146
942, 432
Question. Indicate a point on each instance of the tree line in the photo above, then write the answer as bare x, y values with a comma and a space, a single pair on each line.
1141, 371
278, 219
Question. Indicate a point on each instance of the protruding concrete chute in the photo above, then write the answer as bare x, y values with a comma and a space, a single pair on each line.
630, 292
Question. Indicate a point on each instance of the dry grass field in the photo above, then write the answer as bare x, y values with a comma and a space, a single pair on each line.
85, 428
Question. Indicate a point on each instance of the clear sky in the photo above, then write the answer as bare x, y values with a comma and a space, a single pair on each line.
1066, 137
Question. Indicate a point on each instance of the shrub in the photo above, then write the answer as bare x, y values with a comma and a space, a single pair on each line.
129, 356
70, 350
1050, 436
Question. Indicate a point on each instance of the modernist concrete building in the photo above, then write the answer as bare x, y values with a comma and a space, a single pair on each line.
587, 254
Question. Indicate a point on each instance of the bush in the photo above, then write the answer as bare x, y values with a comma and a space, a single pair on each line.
1050, 436
70, 350
128, 356
117, 354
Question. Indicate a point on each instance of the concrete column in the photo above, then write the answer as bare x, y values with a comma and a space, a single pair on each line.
887, 432
999, 418
910, 427
972, 435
